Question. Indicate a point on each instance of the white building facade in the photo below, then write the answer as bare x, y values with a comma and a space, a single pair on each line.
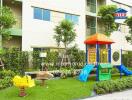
39, 18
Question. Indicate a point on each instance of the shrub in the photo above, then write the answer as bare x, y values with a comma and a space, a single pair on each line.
6, 73
6, 82
109, 86
6, 78
127, 59
50, 60
114, 71
14, 59
77, 56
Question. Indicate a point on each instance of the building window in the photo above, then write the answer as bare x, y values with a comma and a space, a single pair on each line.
38, 13
73, 18
46, 15
41, 14
68, 17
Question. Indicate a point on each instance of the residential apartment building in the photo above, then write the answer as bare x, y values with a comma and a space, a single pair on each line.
16, 30
38, 18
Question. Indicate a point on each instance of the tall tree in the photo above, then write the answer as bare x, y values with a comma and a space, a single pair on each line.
65, 33
7, 20
107, 17
129, 23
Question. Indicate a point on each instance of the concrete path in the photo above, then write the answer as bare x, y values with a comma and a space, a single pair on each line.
125, 95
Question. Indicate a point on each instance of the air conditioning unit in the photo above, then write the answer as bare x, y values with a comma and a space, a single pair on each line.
115, 57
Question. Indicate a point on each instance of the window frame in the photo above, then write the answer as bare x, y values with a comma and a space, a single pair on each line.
36, 14
75, 21
46, 17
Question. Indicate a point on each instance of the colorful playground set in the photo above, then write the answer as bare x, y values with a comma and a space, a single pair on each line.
100, 56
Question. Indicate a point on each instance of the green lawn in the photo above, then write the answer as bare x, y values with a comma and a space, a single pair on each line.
58, 89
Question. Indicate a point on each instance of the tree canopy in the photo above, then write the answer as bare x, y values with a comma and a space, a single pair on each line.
7, 20
107, 17
65, 33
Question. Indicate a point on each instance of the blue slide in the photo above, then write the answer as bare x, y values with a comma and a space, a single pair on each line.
85, 72
124, 70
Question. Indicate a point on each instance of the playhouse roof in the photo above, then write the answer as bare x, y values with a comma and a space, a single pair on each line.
98, 39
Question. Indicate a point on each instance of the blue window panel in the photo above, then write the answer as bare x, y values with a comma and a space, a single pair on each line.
46, 15
38, 13
68, 17
75, 19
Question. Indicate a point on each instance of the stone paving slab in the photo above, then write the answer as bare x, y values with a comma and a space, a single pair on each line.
125, 95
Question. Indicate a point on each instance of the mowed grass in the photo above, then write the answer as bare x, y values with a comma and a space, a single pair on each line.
57, 89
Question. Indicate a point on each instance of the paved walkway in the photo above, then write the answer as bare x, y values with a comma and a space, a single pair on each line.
125, 95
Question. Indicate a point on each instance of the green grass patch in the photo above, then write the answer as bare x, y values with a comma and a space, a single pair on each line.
57, 89
60, 89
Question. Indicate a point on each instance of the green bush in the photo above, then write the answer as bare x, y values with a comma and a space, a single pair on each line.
6, 78
6, 73
114, 70
53, 59
50, 60
77, 56
127, 59
109, 86
5, 82
14, 59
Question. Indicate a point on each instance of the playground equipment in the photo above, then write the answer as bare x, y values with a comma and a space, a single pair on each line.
102, 58
22, 83
85, 72
107, 74
97, 57
124, 70
116, 60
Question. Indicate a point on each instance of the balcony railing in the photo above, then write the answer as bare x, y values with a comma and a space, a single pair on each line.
16, 31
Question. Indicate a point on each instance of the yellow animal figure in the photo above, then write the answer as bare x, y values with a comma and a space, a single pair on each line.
25, 81
22, 83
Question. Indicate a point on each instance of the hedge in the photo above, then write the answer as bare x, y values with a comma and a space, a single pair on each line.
127, 59
110, 86
6, 78
14, 59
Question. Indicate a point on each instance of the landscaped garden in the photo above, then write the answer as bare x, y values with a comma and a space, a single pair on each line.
57, 89
64, 85
68, 81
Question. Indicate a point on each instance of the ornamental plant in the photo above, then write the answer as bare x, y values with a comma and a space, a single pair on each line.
106, 13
